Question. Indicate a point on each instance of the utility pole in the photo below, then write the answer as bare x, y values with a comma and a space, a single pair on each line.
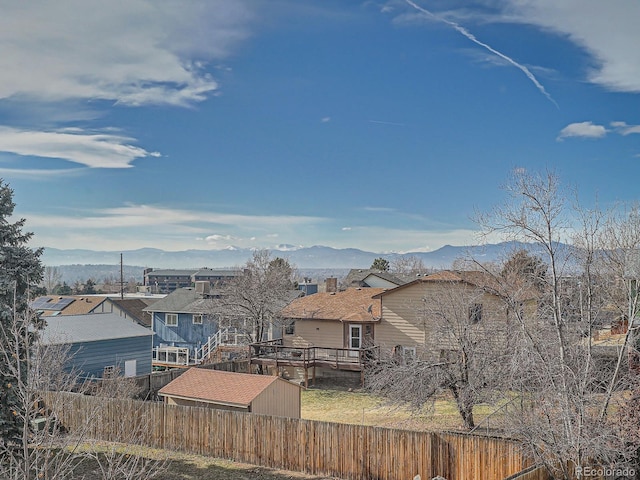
121, 279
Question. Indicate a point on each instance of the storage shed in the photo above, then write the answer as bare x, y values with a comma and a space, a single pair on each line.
101, 343
242, 392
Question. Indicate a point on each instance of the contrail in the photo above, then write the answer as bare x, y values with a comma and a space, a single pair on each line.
382, 122
472, 37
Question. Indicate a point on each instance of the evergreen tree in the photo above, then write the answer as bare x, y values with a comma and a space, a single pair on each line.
89, 287
381, 264
20, 271
63, 289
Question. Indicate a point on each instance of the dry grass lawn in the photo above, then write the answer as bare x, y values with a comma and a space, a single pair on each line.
196, 467
362, 408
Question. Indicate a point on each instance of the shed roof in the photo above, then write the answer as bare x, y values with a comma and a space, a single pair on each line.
215, 386
90, 328
353, 304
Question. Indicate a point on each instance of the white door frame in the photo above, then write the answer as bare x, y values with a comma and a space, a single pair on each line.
353, 350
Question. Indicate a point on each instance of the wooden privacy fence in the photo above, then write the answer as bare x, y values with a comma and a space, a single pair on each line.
532, 473
350, 452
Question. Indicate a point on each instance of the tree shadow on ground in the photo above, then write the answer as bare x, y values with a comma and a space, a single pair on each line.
223, 470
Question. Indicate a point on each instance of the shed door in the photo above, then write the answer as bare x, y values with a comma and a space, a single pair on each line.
130, 368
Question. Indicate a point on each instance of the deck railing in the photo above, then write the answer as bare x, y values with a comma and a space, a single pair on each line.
275, 350
182, 356
172, 356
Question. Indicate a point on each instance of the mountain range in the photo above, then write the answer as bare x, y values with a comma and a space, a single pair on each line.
302, 257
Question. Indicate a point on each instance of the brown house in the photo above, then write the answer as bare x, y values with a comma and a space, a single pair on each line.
342, 319
242, 392
330, 332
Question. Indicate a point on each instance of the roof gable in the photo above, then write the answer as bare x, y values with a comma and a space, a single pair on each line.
474, 278
219, 387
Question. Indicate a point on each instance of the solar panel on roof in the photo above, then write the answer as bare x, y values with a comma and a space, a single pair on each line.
40, 302
62, 303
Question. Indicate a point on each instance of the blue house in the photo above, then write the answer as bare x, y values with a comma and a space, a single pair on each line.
185, 330
101, 344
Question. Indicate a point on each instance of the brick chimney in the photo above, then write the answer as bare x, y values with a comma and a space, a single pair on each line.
331, 285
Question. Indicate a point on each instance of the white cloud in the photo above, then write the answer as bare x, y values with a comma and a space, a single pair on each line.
217, 238
346, 229
379, 209
96, 150
135, 52
582, 129
136, 216
325, 119
623, 129
588, 24
39, 174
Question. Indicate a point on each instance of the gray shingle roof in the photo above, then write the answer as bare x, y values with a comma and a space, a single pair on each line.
135, 309
90, 328
182, 300
356, 276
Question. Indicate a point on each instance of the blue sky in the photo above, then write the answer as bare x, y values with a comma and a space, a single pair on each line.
380, 125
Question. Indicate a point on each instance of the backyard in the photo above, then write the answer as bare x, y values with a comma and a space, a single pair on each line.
361, 408
179, 466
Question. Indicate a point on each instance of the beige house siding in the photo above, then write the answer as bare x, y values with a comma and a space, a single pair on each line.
319, 333
412, 316
281, 399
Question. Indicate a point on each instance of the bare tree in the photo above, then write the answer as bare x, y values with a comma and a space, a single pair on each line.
407, 265
41, 451
45, 450
250, 302
553, 367
621, 259
463, 353
51, 278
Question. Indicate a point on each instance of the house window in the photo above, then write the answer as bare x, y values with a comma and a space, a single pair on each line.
171, 319
409, 352
290, 328
475, 313
403, 354
197, 319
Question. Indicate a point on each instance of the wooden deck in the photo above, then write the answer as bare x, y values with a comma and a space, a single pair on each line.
274, 354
